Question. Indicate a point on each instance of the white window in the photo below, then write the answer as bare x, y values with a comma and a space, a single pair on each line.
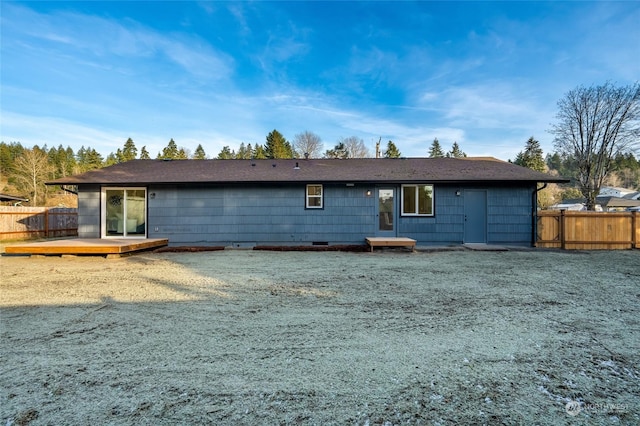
314, 197
417, 200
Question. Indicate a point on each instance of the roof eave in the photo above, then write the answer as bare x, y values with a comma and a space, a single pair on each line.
337, 181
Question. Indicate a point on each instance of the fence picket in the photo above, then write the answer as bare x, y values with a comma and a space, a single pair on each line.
587, 230
18, 223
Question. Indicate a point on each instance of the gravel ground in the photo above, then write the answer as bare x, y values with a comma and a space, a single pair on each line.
248, 337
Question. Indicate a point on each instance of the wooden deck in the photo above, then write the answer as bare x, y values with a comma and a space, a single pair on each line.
391, 242
87, 246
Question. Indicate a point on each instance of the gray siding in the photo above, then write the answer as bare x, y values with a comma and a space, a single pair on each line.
445, 227
89, 211
509, 215
243, 216
237, 215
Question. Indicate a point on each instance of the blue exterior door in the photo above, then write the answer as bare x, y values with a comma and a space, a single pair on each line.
475, 216
386, 212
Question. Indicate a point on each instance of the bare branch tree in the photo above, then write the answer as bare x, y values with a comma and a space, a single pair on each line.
594, 125
355, 147
307, 144
31, 170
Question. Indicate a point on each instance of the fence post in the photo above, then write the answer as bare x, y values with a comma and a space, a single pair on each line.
634, 230
46, 223
561, 230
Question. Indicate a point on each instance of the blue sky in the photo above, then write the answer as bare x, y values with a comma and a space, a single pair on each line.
487, 75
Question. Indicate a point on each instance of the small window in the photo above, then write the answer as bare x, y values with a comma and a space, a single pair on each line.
417, 200
314, 196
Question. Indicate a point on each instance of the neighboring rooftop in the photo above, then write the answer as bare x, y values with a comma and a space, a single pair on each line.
443, 170
12, 199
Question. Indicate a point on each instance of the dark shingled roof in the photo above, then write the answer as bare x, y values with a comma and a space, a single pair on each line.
480, 169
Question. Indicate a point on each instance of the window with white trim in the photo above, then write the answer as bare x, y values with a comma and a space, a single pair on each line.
314, 196
417, 200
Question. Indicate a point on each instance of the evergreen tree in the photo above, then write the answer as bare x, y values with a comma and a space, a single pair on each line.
200, 154
88, 159
71, 165
93, 159
170, 152
112, 159
259, 152
243, 153
81, 157
8, 154
277, 146
456, 152
57, 159
144, 154
391, 151
531, 157
129, 152
226, 153
339, 151
436, 150
183, 154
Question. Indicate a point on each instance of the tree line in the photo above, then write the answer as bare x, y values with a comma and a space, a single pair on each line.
24, 170
597, 132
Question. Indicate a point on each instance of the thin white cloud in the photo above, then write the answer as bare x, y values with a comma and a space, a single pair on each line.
32, 130
100, 39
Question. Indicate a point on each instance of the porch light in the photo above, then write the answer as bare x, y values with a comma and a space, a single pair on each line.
458, 193
368, 193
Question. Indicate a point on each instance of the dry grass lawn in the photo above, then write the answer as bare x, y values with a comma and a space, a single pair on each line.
246, 337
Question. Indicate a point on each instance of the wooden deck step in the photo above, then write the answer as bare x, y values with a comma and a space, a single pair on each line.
391, 242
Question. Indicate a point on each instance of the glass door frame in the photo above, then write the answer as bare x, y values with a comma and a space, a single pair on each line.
103, 211
394, 213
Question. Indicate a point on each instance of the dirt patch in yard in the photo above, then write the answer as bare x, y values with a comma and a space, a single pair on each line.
262, 337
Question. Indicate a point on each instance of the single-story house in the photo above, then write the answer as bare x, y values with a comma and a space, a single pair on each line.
242, 203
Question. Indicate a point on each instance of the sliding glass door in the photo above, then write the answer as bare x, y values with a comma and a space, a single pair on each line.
124, 212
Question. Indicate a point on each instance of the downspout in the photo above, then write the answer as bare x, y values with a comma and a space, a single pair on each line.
534, 213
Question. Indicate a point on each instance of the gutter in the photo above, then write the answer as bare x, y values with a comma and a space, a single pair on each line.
534, 213
74, 192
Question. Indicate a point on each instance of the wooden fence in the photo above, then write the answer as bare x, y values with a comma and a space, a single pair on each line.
588, 230
18, 223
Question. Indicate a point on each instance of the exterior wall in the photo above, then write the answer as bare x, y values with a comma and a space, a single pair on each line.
509, 219
509, 215
243, 216
89, 211
447, 224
